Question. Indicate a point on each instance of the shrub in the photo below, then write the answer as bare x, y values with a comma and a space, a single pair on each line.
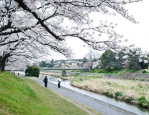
131, 98
140, 86
117, 93
86, 86
109, 93
112, 68
145, 71
102, 71
143, 102
77, 74
32, 71
81, 79
109, 83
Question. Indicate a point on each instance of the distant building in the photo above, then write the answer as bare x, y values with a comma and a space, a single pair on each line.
88, 64
125, 61
71, 63
96, 64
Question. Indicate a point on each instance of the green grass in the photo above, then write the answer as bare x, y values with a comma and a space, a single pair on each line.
114, 71
22, 96
83, 76
76, 70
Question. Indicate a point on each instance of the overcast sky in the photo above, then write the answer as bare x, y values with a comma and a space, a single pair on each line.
137, 34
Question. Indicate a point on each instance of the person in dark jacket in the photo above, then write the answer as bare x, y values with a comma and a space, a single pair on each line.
59, 82
45, 80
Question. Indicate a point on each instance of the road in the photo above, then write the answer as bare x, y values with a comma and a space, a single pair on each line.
99, 106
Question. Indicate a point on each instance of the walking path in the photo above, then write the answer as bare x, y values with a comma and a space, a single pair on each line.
78, 98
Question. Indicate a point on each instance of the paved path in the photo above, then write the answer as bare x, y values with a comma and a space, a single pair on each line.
99, 106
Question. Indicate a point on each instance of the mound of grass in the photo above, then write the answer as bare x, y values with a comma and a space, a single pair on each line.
22, 96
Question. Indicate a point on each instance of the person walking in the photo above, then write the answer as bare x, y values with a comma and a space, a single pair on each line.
45, 80
59, 82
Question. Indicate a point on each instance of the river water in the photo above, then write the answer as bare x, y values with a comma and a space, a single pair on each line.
126, 106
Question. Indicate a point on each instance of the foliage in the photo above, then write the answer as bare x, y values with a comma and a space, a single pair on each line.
112, 68
114, 71
140, 86
51, 64
109, 83
145, 71
107, 57
86, 86
109, 61
143, 65
42, 64
76, 71
117, 93
98, 71
109, 93
77, 74
32, 71
84, 60
143, 102
81, 79
131, 98
134, 61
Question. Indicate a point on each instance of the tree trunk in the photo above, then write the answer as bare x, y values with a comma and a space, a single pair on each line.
2, 64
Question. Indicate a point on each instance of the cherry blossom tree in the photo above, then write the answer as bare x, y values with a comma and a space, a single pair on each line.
137, 58
31, 28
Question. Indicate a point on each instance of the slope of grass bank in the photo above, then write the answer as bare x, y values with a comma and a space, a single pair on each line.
22, 96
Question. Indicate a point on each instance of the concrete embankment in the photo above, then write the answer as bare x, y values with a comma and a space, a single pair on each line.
125, 75
57, 72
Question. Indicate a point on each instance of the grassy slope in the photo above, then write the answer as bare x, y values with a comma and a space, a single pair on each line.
22, 96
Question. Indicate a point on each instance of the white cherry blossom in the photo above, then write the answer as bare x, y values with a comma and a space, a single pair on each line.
30, 29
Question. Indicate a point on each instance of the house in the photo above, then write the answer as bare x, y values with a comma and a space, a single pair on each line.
56, 64
71, 63
88, 64
96, 64
125, 61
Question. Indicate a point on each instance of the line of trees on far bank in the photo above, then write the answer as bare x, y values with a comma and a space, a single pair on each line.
115, 61
44, 64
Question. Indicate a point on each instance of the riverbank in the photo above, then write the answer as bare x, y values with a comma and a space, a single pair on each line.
131, 91
134, 91
22, 96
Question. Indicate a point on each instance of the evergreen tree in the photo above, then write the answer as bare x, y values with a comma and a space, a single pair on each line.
42, 64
